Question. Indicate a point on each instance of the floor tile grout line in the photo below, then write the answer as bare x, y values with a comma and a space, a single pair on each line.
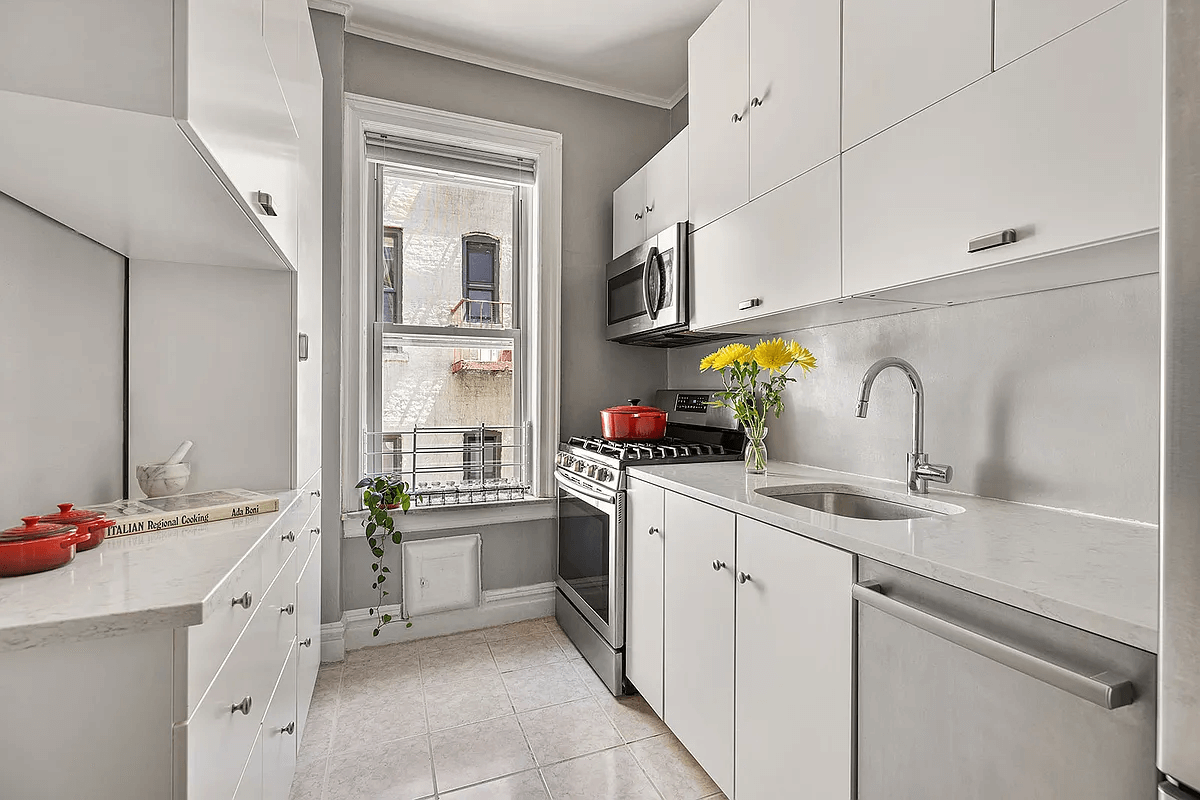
646, 772
428, 727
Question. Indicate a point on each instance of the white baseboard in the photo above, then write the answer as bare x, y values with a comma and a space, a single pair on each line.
333, 641
499, 607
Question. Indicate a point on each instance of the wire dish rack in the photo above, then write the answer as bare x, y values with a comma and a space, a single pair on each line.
448, 466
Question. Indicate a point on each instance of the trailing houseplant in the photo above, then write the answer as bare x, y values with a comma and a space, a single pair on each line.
381, 496
754, 379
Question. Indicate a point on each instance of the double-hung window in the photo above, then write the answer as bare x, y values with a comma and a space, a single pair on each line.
448, 259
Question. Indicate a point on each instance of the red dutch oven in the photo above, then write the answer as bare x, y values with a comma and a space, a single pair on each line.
37, 546
633, 422
94, 522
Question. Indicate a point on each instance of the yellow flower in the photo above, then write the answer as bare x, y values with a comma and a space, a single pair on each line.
773, 355
707, 362
729, 354
802, 357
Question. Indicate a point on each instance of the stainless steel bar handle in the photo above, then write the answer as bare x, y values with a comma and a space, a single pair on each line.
997, 239
243, 706
289, 609
244, 601
753, 302
743, 577
1103, 689
289, 729
290, 536
718, 565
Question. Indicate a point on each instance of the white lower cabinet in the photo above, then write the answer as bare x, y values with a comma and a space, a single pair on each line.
644, 591
698, 632
794, 667
757, 648
308, 633
250, 785
279, 735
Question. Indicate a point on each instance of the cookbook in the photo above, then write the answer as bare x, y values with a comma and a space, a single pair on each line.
162, 513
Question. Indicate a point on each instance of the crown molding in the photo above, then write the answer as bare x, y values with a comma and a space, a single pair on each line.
332, 6
504, 66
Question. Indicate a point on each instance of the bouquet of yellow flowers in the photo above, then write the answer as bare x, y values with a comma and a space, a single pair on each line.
754, 379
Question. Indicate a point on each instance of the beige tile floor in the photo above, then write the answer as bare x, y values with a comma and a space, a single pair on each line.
507, 713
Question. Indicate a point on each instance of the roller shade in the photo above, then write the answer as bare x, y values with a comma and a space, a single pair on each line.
450, 158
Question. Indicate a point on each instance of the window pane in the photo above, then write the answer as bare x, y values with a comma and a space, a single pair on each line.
438, 387
437, 216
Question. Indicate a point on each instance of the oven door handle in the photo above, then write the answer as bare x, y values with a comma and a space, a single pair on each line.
578, 488
653, 302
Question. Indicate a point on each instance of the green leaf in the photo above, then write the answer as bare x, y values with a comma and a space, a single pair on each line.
378, 551
371, 611
381, 579
406, 503
387, 617
375, 632
374, 566
396, 537
409, 625
374, 585
371, 528
387, 569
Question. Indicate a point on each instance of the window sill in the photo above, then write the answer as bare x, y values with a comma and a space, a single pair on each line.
437, 518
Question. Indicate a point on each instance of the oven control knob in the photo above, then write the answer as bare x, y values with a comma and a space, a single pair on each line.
602, 474
579, 465
591, 471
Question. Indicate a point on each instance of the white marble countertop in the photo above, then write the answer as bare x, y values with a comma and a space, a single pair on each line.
1094, 573
132, 583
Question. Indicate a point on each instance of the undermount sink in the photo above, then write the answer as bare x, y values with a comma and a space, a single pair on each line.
850, 501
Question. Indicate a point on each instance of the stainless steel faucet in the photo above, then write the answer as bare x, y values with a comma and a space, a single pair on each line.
920, 471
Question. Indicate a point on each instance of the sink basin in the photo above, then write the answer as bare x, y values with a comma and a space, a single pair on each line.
858, 503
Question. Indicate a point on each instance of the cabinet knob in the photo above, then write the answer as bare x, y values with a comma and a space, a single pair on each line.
264, 201
650, 208
290, 536
289, 729
756, 102
316, 493
244, 601
306, 642
243, 706
736, 118
290, 609
653, 531
718, 565
743, 577
638, 215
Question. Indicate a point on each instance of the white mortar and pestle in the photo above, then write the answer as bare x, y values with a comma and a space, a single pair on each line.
166, 478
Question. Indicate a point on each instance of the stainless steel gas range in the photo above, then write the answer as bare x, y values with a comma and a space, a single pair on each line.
590, 472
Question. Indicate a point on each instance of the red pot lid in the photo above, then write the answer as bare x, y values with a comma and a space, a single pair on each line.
633, 408
34, 528
72, 516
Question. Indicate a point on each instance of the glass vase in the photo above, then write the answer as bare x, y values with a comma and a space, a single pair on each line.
756, 450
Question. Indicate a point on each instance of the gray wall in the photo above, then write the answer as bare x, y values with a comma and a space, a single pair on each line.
62, 326
679, 115
605, 140
1049, 398
328, 32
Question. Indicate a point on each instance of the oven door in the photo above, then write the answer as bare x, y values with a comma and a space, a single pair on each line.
591, 556
647, 287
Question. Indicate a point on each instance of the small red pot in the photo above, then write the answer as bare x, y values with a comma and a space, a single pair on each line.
37, 546
94, 522
633, 423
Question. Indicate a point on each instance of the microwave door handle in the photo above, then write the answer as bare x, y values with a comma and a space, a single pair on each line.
652, 304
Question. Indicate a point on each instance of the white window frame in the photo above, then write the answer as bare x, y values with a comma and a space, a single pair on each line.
541, 281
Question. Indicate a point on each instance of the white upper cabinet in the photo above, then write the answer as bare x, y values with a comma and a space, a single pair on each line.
718, 110
1062, 147
629, 213
903, 57
667, 186
795, 88
1025, 25
778, 253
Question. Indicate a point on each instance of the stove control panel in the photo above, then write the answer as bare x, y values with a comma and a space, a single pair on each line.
582, 468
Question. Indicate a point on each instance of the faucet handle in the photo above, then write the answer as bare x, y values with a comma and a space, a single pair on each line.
938, 473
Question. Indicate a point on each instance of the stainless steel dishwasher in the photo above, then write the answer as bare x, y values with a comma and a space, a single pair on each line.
964, 698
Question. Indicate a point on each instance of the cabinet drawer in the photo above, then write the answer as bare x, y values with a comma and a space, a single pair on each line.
308, 633
1063, 146
210, 643
218, 736
250, 787
1022, 26
308, 534
280, 734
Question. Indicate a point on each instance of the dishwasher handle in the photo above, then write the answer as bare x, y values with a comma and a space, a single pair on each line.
1104, 689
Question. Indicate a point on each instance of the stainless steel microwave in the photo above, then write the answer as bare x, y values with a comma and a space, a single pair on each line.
648, 293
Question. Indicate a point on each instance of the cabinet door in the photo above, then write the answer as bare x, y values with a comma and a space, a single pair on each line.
795, 76
698, 587
236, 109
250, 787
667, 186
1025, 25
903, 57
719, 131
279, 736
780, 252
308, 635
629, 214
794, 665
281, 22
1063, 146
644, 591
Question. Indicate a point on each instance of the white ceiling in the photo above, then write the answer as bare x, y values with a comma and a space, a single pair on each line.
636, 49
